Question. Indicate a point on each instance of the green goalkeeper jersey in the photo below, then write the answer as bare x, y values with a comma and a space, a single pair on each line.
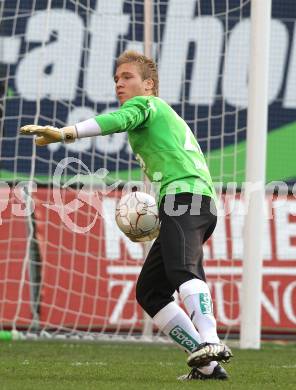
162, 143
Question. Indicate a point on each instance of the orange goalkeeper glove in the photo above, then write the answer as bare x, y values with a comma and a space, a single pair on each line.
49, 134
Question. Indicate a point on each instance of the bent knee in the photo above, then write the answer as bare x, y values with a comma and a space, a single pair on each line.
178, 277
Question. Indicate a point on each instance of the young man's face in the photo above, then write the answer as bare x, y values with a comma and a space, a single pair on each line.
129, 83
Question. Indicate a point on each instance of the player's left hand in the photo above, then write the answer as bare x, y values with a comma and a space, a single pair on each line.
49, 134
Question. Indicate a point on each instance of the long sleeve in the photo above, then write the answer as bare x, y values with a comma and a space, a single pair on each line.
130, 115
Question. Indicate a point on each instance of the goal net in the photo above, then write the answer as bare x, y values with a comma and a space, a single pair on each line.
65, 268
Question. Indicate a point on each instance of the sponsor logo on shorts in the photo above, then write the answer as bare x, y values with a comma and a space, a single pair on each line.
183, 338
206, 305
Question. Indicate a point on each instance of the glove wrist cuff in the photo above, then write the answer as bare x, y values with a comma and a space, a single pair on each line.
69, 134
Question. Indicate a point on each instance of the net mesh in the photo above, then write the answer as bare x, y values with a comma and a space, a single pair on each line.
64, 265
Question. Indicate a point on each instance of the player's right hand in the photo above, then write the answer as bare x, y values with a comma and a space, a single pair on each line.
49, 134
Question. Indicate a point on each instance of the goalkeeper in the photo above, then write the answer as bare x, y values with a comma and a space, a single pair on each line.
168, 152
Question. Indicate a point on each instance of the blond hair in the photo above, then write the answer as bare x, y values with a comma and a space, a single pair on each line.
147, 66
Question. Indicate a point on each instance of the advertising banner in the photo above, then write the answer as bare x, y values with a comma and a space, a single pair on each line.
88, 278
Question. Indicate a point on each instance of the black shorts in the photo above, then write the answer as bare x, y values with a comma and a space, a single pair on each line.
176, 256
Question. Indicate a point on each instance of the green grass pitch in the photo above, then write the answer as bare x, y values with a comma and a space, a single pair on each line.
116, 366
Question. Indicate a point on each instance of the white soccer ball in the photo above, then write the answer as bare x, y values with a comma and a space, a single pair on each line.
137, 214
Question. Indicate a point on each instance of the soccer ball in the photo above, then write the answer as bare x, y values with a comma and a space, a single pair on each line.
137, 215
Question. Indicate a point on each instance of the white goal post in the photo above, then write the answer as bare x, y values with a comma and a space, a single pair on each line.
250, 336
65, 269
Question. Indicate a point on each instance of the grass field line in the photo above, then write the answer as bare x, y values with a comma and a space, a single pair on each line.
102, 363
27, 365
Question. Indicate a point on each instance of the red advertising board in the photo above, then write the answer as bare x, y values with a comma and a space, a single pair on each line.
89, 276
14, 278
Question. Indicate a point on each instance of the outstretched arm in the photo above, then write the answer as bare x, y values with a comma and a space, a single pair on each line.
131, 115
